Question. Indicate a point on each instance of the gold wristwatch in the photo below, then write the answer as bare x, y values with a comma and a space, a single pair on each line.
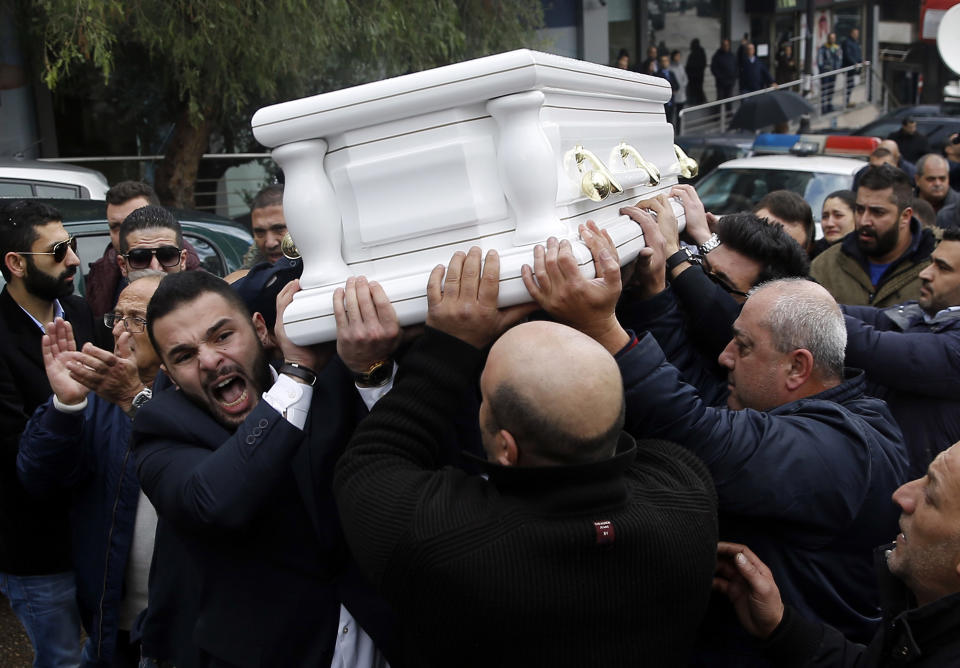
377, 374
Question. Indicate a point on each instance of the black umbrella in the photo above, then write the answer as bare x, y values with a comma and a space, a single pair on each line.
777, 106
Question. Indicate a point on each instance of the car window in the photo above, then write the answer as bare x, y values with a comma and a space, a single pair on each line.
15, 189
209, 258
732, 190
90, 248
55, 190
822, 185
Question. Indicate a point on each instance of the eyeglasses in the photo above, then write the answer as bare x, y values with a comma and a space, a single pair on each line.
132, 323
719, 281
726, 286
140, 258
59, 251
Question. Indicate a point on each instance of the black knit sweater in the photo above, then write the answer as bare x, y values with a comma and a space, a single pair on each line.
604, 564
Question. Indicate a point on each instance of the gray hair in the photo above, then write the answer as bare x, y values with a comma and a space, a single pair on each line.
801, 318
135, 274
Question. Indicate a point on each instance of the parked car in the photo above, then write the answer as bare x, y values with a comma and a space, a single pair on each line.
710, 151
220, 242
936, 121
21, 178
810, 165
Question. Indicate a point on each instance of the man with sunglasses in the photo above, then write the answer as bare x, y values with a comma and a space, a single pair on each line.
39, 264
105, 280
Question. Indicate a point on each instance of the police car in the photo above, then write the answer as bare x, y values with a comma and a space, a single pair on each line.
813, 166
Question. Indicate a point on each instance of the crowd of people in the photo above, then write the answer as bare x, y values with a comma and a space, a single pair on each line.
743, 72
688, 460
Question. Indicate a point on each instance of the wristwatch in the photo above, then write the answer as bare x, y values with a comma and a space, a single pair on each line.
710, 244
681, 256
142, 397
377, 374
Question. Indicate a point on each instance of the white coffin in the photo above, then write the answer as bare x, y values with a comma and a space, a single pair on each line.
389, 179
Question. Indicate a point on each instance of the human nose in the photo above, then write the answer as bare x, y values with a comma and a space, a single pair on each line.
71, 259
209, 357
905, 495
927, 273
726, 357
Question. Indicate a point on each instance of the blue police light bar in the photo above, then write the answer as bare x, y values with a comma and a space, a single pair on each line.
774, 143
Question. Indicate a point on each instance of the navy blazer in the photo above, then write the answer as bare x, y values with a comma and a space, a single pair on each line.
34, 534
255, 510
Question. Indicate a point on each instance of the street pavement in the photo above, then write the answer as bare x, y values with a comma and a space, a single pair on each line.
15, 649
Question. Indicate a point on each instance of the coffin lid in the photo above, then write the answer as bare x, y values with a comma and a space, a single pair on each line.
454, 85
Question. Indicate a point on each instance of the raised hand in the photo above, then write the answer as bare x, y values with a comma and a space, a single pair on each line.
750, 586
666, 220
311, 357
586, 304
113, 376
462, 299
367, 327
55, 347
697, 227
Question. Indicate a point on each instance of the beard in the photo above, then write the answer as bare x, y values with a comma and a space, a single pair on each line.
44, 285
879, 244
256, 381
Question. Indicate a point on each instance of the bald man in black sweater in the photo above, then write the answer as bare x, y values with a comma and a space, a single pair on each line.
579, 547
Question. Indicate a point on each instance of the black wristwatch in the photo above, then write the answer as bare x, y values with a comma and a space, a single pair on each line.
377, 374
308, 376
681, 256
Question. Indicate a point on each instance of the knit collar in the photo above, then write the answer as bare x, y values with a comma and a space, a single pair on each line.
565, 488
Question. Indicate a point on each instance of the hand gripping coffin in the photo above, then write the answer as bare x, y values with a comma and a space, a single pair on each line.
390, 178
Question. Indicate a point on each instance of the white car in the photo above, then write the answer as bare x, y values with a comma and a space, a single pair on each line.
32, 178
799, 165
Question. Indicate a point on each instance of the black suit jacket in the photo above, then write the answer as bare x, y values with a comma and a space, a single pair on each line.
255, 511
34, 535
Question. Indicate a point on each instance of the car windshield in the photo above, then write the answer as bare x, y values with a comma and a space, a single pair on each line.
733, 190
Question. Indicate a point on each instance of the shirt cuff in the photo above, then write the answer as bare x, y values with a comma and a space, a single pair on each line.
291, 399
371, 395
69, 408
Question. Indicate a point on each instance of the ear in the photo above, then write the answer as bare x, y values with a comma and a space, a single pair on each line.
183, 260
507, 452
163, 367
122, 263
906, 216
260, 327
800, 369
14, 263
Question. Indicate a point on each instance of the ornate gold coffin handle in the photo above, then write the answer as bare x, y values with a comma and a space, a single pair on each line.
597, 183
688, 166
627, 151
288, 248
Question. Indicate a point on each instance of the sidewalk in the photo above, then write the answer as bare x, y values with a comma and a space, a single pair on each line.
15, 649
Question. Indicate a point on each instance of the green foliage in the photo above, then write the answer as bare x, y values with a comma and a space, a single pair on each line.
223, 58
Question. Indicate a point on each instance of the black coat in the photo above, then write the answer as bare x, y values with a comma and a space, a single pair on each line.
34, 534
255, 511
723, 65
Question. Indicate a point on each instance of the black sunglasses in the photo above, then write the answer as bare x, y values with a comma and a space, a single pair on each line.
59, 251
140, 258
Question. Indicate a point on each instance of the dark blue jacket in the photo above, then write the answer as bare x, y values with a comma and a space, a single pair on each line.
915, 366
754, 75
88, 454
806, 485
723, 65
852, 53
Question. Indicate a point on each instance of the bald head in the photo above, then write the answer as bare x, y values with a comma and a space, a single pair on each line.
555, 392
891, 146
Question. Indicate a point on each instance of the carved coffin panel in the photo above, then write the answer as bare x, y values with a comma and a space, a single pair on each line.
389, 179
